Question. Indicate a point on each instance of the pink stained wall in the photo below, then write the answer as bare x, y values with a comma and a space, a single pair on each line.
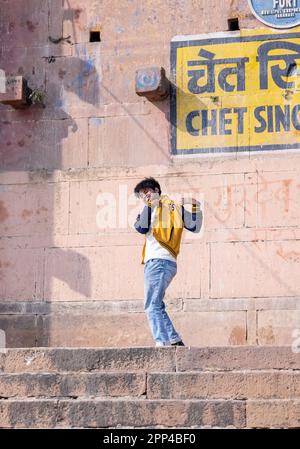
66, 282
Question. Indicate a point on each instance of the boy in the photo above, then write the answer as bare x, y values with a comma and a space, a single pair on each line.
162, 222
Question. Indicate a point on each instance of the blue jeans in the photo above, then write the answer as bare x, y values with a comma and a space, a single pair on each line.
158, 273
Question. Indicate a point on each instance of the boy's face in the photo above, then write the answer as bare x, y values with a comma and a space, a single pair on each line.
149, 196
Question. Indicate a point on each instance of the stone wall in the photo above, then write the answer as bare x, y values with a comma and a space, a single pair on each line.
67, 282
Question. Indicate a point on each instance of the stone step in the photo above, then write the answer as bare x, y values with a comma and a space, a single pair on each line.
167, 359
49, 360
73, 385
68, 413
237, 358
177, 387
115, 413
269, 384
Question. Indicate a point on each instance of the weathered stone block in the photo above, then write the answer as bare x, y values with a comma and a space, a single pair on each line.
15, 92
26, 147
220, 385
20, 331
257, 269
279, 327
28, 29
152, 413
237, 358
21, 274
72, 385
278, 199
28, 413
87, 359
34, 209
152, 83
98, 273
276, 413
127, 146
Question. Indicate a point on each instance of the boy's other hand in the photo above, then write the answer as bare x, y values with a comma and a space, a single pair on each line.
191, 201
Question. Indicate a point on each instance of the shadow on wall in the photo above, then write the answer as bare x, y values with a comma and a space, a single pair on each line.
35, 142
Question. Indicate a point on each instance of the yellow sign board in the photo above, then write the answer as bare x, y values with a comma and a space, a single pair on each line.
235, 92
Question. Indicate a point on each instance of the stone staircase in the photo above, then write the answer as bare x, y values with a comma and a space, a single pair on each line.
235, 387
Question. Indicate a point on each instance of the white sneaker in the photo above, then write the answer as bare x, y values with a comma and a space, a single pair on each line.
159, 344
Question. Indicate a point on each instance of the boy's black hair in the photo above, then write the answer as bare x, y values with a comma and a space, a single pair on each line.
150, 183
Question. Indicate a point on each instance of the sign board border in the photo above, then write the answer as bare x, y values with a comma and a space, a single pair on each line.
211, 40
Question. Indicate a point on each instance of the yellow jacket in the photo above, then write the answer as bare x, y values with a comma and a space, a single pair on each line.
167, 227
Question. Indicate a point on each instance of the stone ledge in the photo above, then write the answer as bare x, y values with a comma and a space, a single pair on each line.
275, 413
244, 384
237, 358
167, 359
115, 413
136, 305
49, 360
50, 385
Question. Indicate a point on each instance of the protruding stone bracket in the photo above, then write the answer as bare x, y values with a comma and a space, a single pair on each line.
14, 91
151, 82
